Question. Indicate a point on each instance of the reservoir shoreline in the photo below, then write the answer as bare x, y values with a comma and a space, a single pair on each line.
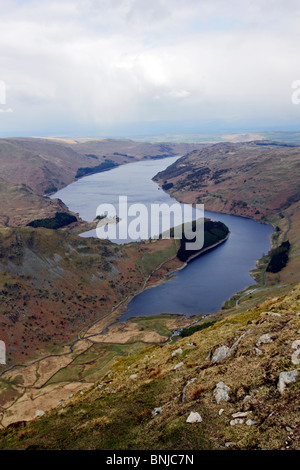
233, 261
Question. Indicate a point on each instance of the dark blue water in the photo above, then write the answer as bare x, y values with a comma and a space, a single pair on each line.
207, 281
214, 277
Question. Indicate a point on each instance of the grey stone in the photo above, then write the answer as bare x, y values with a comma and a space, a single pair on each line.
236, 421
194, 417
156, 411
180, 364
2, 353
286, 378
221, 353
178, 351
133, 376
221, 392
295, 357
229, 444
240, 414
273, 314
250, 422
185, 387
264, 339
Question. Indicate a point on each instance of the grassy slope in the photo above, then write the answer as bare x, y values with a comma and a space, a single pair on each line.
117, 413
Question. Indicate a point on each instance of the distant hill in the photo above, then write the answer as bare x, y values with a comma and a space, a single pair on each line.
248, 179
257, 179
45, 165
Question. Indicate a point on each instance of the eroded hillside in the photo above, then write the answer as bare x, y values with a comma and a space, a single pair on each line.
234, 385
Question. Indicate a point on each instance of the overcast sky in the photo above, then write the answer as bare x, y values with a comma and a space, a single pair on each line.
126, 67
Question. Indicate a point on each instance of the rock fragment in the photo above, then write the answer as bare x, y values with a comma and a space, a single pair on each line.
295, 356
194, 417
229, 444
264, 339
240, 414
236, 421
180, 364
221, 392
177, 351
286, 378
250, 422
221, 353
157, 411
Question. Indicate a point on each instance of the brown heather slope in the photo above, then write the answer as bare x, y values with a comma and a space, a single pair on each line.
39, 164
258, 179
143, 402
44, 165
54, 284
20, 205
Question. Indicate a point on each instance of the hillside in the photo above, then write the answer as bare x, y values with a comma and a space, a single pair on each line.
53, 284
33, 167
258, 179
20, 205
238, 379
258, 169
61, 296
77, 379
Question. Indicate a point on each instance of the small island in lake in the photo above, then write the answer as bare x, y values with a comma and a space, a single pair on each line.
214, 234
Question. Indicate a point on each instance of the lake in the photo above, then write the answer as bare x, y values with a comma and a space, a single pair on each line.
207, 281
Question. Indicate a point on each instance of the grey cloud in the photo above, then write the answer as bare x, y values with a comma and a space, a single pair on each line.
106, 62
